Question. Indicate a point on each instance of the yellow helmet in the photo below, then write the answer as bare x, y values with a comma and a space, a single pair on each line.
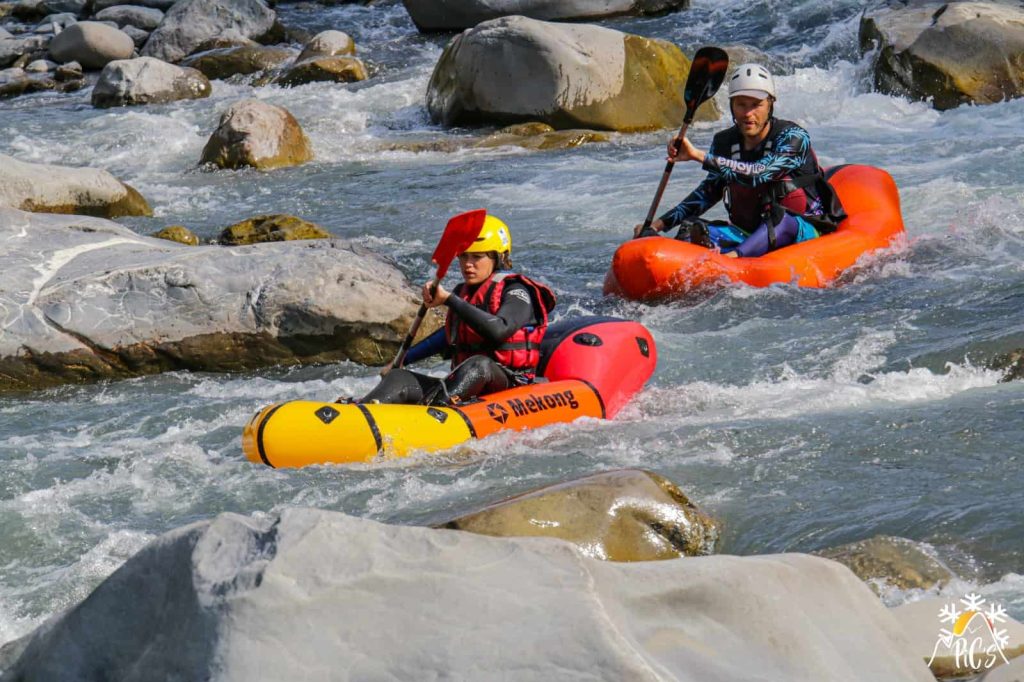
494, 236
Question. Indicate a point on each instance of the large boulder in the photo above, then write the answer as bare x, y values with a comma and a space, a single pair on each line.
57, 189
257, 134
92, 44
954, 53
84, 299
317, 595
328, 44
455, 15
146, 18
627, 515
146, 80
190, 23
233, 61
516, 69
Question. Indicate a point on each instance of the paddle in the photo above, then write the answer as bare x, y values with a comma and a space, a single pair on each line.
459, 233
707, 71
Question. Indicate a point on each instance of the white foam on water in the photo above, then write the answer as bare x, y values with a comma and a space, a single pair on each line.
851, 384
50, 589
1007, 591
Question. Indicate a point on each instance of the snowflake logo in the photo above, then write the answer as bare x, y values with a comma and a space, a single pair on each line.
973, 601
959, 636
949, 613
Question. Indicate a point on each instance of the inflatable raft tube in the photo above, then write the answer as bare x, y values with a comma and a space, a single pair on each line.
659, 267
592, 367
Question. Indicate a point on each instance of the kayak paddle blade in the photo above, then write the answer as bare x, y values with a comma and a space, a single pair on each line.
459, 234
707, 71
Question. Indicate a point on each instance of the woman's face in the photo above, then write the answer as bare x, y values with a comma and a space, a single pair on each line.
476, 267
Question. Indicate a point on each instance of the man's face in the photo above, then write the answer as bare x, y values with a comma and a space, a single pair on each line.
751, 114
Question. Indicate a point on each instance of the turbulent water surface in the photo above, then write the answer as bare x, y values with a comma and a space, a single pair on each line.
800, 418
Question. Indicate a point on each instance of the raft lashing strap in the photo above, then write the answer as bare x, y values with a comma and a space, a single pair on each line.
259, 435
372, 423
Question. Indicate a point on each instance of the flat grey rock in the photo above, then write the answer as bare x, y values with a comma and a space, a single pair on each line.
85, 298
316, 595
190, 23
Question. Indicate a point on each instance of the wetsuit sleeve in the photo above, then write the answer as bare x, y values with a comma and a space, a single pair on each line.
516, 312
707, 194
432, 345
789, 154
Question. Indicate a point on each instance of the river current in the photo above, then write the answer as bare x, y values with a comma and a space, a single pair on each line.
800, 418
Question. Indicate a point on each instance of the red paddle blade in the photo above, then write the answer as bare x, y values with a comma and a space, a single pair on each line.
461, 231
707, 71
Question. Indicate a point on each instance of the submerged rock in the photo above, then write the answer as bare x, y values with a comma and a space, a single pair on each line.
271, 228
324, 69
1011, 364
895, 561
178, 233
452, 15
190, 23
58, 189
244, 60
516, 69
254, 133
317, 595
526, 135
626, 515
92, 44
536, 136
921, 621
84, 299
952, 52
146, 80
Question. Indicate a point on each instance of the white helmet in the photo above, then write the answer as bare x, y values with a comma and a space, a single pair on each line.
752, 80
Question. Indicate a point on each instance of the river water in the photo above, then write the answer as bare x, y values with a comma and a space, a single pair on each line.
800, 418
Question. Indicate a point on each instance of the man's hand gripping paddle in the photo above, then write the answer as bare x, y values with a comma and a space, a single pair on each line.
707, 71
460, 232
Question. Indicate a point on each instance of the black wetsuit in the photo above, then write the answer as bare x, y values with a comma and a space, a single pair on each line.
477, 375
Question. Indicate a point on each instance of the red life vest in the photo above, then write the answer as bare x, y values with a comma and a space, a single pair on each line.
749, 206
520, 352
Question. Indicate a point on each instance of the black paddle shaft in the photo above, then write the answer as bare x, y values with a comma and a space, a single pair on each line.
407, 341
707, 71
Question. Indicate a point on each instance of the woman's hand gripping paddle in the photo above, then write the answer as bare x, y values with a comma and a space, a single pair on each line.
460, 232
707, 71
